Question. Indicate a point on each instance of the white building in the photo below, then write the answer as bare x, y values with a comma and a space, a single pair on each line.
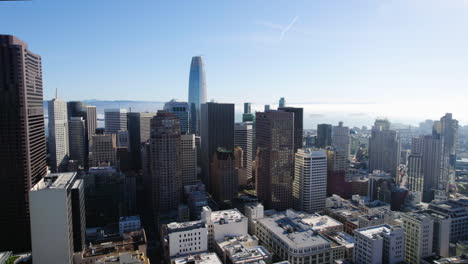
419, 229
115, 120
188, 159
58, 134
53, 218
240, 250
204, 258
379, 244
185, 238
243, 137
341, 139
129, 223
310, 180
223, 223
289, 237
253, 212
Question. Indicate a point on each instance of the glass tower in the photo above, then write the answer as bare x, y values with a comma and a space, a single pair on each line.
197, 92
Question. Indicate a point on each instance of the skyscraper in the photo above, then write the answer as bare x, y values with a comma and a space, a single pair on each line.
341, 138
188, 159
432, 166
275, 158
58, 134
224, 175
298, 125
217, 131
182, 111
324, 136
165, 169
103, 149
22, 139
57, 218
282, 102
415, 173
243, 137
384, 151
138, 125
115, 120
448, 134
77, 139
197, 92
88, 113
310, 180
247, 116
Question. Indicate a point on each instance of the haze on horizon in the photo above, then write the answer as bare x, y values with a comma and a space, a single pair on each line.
403, 59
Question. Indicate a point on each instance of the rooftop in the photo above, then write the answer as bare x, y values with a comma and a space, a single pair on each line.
374, 232
238, 253
55, 181
204, 258
130, 241
344, 239
320, 222
291, 229
130, 218
183, 226
231, 215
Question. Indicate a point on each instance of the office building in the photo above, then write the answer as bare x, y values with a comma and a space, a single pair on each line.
282, 102
188, 159
447, 132
182, 111
384, 151
298, 125
310, 180
202, 258
196, 198
432, 163
457, 210
197, 93
243, 138
129, 223
247, 116
415, 173
224, 176
419, 230
58, 134
138, 125
275, 158
166, 182
22, 139
341, 139
289, 238
78, 141
243, 249
379, 244
337, 167
324, 136
78, 109
380, 186
217, 131
103, 150
115, 120
267, 108
57, 218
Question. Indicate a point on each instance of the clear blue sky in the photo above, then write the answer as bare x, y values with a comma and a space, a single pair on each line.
394, 52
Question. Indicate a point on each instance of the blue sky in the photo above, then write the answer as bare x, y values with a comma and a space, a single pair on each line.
406, 57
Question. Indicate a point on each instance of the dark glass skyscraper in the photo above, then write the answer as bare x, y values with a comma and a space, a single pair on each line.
197, 92
298, 125
22, 139
324, 133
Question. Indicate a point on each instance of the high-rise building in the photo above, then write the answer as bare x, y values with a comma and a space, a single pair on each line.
122, 139
384, 151
379, 244
217, 131
188, 159
324, 136
58, 221
115, 120
282, 102
298, 125
22, 139
419, 229
182, 111
88, 113
91, 120
415, 173
432, 166
165, 169
267, 108
138, 125
341, 138
197, 92
275, 158
310, 180
448, 134
247, 108
103, 150
58, 134
247, 116
243, 137
224, 175
337, 183
78, 141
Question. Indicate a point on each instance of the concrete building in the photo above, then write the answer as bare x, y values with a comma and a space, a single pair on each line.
188, 159
347, 241
115, 120
165, 170
58, 134
196, 198
379, 244
275, 158
253, 212
54, 220
310, 180
457, 210
384, 151
78, 140
182, 111
286, 236
224, 176
103, 150
415, 173
138, 125
341, 139
298, 125
203, 258
224, 223
337, 167
217, 131
419, 230
23, 142
243, 137
243, 249
324, 136
77, 109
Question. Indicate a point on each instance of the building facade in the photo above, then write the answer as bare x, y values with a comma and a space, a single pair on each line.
243, 138
58, 134
115, 120
182, 111
197, 92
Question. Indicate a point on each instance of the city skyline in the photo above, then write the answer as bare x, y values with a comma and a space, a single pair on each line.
306, 49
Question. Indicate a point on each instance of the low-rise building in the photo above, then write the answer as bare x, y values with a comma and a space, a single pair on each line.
244, 249
419, 230
346, 240
204, 258
379, 244
124, 258
129, 223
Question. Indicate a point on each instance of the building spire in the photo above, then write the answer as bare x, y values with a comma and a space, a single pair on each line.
56, 93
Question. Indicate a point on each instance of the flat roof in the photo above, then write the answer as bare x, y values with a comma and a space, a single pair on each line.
230, 215
203, 258
373, 231
55, 181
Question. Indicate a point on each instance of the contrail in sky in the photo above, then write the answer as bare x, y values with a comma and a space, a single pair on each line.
288, 27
